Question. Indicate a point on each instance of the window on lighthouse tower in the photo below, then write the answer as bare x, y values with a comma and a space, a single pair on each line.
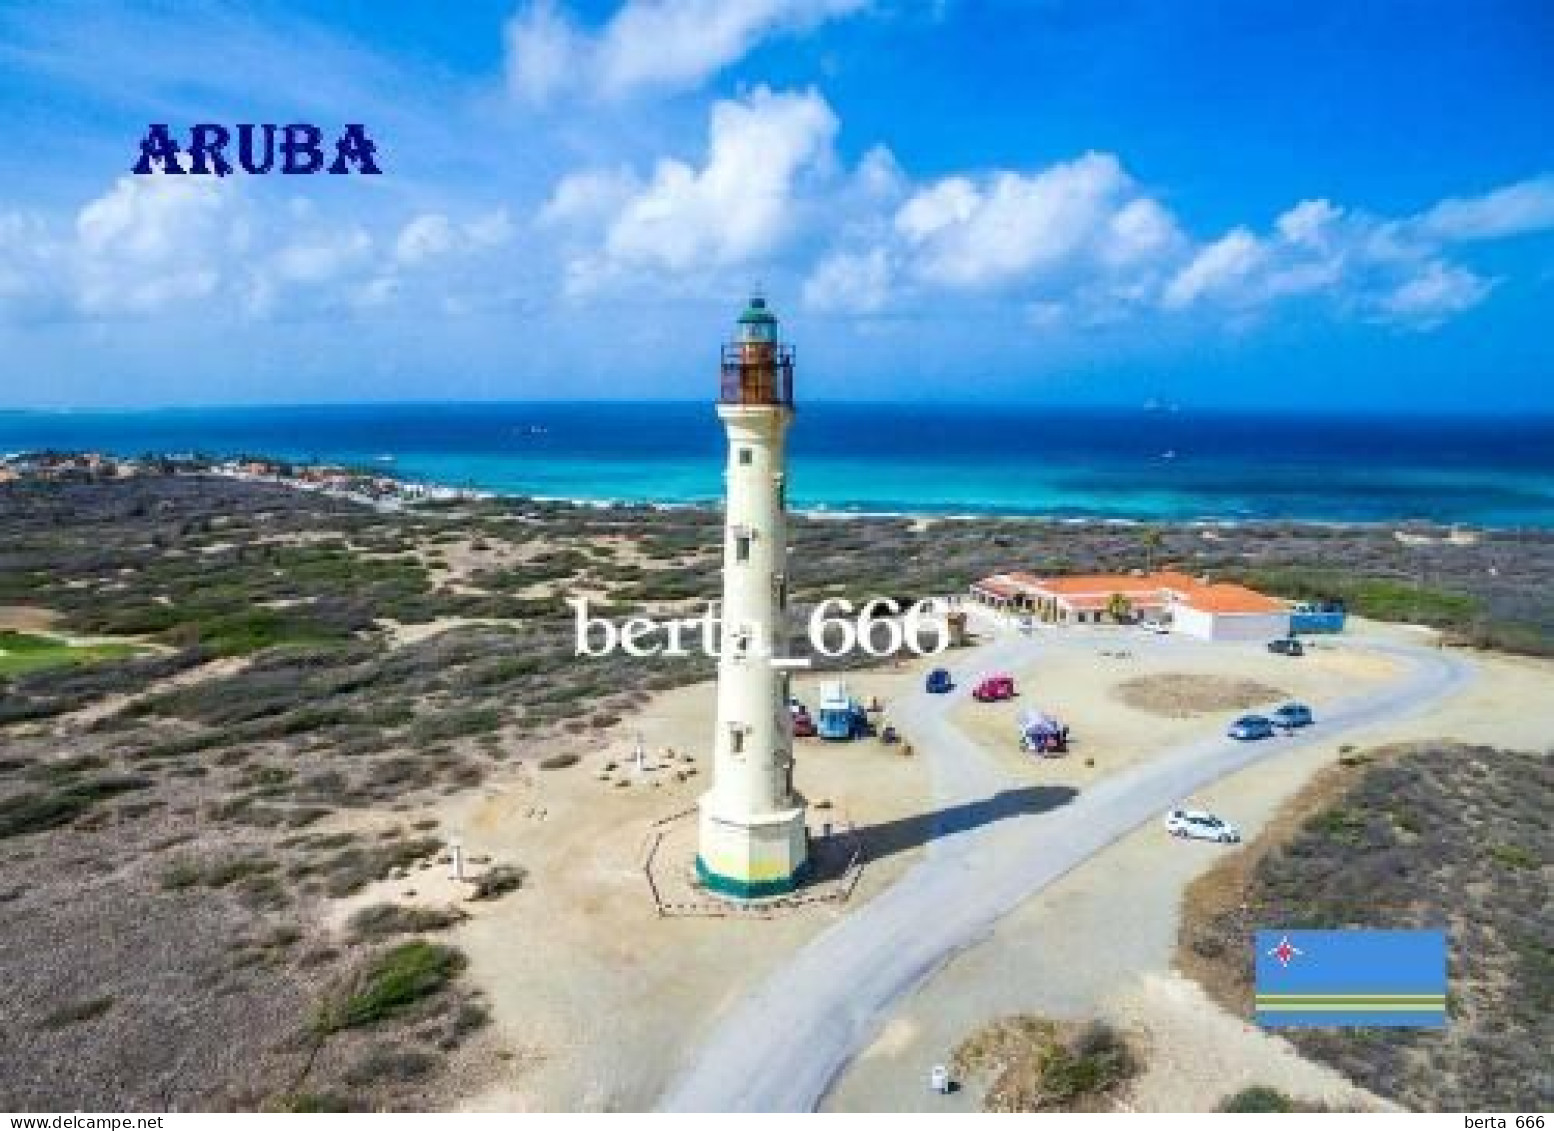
741, 547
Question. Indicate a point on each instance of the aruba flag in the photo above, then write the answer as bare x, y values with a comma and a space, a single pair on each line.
1353, 977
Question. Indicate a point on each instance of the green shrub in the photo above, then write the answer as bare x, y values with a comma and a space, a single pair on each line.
38, 811
1257, 1098
394, 981
383, 920
1514, 856
498, 882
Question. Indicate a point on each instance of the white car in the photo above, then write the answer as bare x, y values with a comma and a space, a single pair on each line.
1201, 826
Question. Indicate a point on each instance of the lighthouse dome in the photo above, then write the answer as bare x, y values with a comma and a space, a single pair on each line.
757, 313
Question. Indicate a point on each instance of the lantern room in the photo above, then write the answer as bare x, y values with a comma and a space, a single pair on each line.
757, 367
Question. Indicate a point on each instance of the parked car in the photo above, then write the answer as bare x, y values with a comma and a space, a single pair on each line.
1293, 715
939, 681
1197, 824
993, 688
1250, 727
1287, 646
803, 725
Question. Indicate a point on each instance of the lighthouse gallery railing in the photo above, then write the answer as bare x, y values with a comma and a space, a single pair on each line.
763, 376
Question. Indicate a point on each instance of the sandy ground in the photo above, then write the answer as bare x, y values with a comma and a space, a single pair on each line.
1077, 686
595, 998
593, 995
1100, 941
26, 618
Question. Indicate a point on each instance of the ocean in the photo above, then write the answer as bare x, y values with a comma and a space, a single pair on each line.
898, 458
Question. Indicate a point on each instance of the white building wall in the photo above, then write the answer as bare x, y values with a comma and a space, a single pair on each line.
1228, 626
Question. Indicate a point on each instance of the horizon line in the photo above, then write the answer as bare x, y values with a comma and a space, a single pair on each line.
1154, 408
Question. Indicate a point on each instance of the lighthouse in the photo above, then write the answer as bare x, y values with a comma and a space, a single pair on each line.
752, 836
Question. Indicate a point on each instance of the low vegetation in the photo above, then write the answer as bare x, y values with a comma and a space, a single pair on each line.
1481, 612
394, 981
39, 810
313, 656
22, 653
384, 920
1182, 695
1259, 1098
1033, 1064
1433, 834
497, 882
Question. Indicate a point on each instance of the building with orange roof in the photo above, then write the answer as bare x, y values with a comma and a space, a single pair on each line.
1190, 605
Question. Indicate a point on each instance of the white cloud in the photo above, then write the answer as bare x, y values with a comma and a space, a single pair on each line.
424, 238
740, 204
1219, 268
1140, 233
966, 232
177, 248
588, 197
494, 229
321, 256
665, 44
847, 281
1381, 269
30, 262
433, 235
544, 51
1310, 223
153, 242
1437, 292
879, 176
1527, 206
1079, 241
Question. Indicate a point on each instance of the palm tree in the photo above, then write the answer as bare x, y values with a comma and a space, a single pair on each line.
1153, 540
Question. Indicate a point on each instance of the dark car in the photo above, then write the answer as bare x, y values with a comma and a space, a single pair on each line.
1288, 646
1292, 715
939, 681
1249, 728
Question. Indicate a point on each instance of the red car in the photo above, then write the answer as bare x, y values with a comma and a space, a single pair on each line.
993, 688
803, 725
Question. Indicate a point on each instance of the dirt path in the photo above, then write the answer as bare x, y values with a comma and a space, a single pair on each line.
784, 1043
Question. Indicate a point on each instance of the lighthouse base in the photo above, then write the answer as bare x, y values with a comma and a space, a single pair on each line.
752, 856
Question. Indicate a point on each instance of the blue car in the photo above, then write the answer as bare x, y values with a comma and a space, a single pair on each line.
939, 681
1250, 727
1293, 715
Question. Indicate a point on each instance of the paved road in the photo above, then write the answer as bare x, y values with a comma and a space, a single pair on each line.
780, 1048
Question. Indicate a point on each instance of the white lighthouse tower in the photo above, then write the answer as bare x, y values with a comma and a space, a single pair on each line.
753, 840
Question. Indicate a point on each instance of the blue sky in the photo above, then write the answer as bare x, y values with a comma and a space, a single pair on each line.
1231, 204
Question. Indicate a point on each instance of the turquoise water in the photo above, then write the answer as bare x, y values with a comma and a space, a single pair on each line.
899, 458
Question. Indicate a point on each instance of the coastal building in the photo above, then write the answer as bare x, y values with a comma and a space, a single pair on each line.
753, 840
1192, 606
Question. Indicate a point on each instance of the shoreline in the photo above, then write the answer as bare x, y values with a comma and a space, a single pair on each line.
386, 486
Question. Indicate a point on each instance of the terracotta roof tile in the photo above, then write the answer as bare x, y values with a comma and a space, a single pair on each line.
1226, 598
